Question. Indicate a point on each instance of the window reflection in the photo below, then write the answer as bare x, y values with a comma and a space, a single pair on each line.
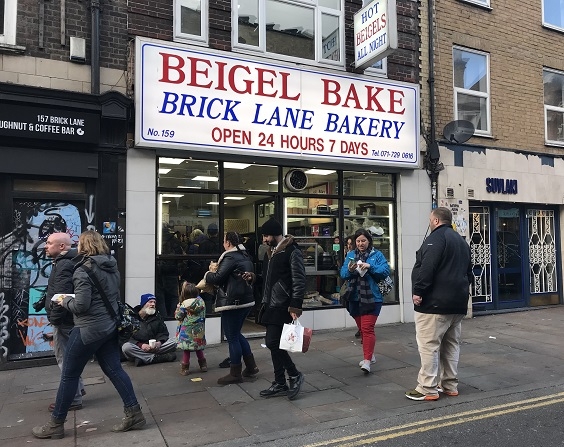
290, 29
191, 17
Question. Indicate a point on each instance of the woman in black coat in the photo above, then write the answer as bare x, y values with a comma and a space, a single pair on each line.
235, 300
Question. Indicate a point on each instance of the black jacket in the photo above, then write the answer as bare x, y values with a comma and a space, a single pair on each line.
60, 281
228, 277
153, 326
283, 284
442, 273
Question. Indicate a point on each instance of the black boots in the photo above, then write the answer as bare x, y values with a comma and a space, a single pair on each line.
234, 375
251, 368
203, 365
133, 419
54, 429
161, 358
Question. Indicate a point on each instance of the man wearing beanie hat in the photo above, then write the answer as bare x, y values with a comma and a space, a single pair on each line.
283, 292
152, 327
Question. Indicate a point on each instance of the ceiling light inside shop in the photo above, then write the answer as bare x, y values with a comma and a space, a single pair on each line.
234, 198
166, 201
190, 187
205, 178
258, 190
171, 161
212, 203
275, 182
319, 171
229, 165
164, 170
172, 195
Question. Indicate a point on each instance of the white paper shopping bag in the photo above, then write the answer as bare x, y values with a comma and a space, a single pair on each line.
292, 338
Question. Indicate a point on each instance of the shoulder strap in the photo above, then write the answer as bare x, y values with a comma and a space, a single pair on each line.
97, 284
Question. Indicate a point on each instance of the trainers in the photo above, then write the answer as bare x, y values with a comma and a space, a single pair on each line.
225, 363
365, 366
73, 407
416, 395
276, 389
295, 385
372, 361
357, 335
447, 392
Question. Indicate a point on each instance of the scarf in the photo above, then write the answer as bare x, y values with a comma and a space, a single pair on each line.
362, 286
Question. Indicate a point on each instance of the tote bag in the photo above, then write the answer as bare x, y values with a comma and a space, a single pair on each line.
295, 337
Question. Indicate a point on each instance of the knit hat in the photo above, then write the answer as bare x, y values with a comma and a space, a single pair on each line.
212, 229
146, 297
271, 228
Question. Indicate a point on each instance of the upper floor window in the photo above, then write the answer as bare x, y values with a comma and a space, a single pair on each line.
553, 13
380, 67
8, 18
554, 106
472, 88
304, 29
191, 20
479, 2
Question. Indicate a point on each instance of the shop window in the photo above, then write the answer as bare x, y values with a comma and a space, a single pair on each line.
553, 14
311, 181
187, 174
191, 20
303, 29
554, 106
8, 20
367, 184
542, 251
250, 177
472, 88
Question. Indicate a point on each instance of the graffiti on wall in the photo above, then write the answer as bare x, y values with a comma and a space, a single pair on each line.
459, 214
24, 271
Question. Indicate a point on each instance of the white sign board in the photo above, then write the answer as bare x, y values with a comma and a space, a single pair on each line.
200, 100
375, 32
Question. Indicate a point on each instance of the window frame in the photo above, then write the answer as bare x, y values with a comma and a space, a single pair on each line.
10, 22
548, 108
179, 36
318, 12
482, 3
550, 25
477, 94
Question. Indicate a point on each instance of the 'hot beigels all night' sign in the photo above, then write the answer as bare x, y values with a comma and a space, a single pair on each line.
198, 99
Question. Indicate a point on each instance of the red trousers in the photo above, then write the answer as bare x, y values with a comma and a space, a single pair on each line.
365, 324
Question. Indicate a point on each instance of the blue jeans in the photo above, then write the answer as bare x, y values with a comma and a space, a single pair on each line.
232, 322
77, 356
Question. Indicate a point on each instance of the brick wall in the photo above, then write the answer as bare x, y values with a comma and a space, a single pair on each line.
519, 48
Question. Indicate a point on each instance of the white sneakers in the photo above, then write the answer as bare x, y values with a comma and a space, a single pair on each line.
365, 366
372, 361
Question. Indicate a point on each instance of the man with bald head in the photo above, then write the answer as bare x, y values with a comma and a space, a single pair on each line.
58, 248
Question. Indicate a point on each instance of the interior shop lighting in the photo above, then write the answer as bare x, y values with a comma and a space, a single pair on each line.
229, 165
212, 203
275, 182
172, 195
205, 178
164, 170
234, 198
166, 201
189, 187
171, 161
319, 171
258, 190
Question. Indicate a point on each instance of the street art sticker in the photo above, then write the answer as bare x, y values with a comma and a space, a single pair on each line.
459, 212
24, 271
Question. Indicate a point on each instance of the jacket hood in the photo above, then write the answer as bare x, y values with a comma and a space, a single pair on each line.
105, 262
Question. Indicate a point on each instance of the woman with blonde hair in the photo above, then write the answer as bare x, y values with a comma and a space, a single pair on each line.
94, 333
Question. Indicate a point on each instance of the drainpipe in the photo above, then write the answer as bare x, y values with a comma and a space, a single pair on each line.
95, 48
432, 163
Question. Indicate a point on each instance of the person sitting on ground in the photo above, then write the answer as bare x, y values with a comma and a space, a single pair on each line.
152, 327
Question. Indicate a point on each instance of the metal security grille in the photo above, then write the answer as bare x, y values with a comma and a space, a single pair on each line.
481, 288
542, 251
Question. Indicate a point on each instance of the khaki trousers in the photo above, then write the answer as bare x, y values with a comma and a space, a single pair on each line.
438, 341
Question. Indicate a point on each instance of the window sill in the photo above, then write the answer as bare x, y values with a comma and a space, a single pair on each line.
11, 49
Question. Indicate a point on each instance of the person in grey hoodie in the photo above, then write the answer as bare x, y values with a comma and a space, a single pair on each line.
95, 333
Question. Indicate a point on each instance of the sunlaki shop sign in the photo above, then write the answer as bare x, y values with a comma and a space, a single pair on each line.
49, 124
188, 98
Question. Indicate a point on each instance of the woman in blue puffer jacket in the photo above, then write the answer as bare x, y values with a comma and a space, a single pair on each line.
363, 268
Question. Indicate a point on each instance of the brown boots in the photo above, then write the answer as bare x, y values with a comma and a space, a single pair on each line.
54, 429
133, 420
184, 367
234, 375
251, 367
203, 365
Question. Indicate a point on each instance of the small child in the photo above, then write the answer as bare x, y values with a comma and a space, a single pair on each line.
191, 331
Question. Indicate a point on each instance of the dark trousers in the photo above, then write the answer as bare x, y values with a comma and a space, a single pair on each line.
77, 356
232, 322
281, 360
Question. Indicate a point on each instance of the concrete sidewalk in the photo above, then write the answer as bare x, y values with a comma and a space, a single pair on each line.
501, 354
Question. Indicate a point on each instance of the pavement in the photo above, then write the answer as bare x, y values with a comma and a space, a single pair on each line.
502, 354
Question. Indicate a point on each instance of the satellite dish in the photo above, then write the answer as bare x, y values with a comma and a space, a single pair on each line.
458, 131
295, 180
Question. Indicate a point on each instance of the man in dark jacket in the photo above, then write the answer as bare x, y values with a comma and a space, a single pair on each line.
58, 248
151, 343
440, 282
283, 294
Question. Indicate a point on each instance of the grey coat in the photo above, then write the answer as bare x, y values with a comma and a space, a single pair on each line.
90, 313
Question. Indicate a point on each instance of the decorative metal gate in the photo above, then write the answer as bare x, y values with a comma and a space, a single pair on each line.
542, 251
481, 288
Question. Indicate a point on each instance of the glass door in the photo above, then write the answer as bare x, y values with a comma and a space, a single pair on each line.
509, 262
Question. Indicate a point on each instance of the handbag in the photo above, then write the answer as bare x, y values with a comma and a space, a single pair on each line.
127, 320
386, 285
295, 337
345, 294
